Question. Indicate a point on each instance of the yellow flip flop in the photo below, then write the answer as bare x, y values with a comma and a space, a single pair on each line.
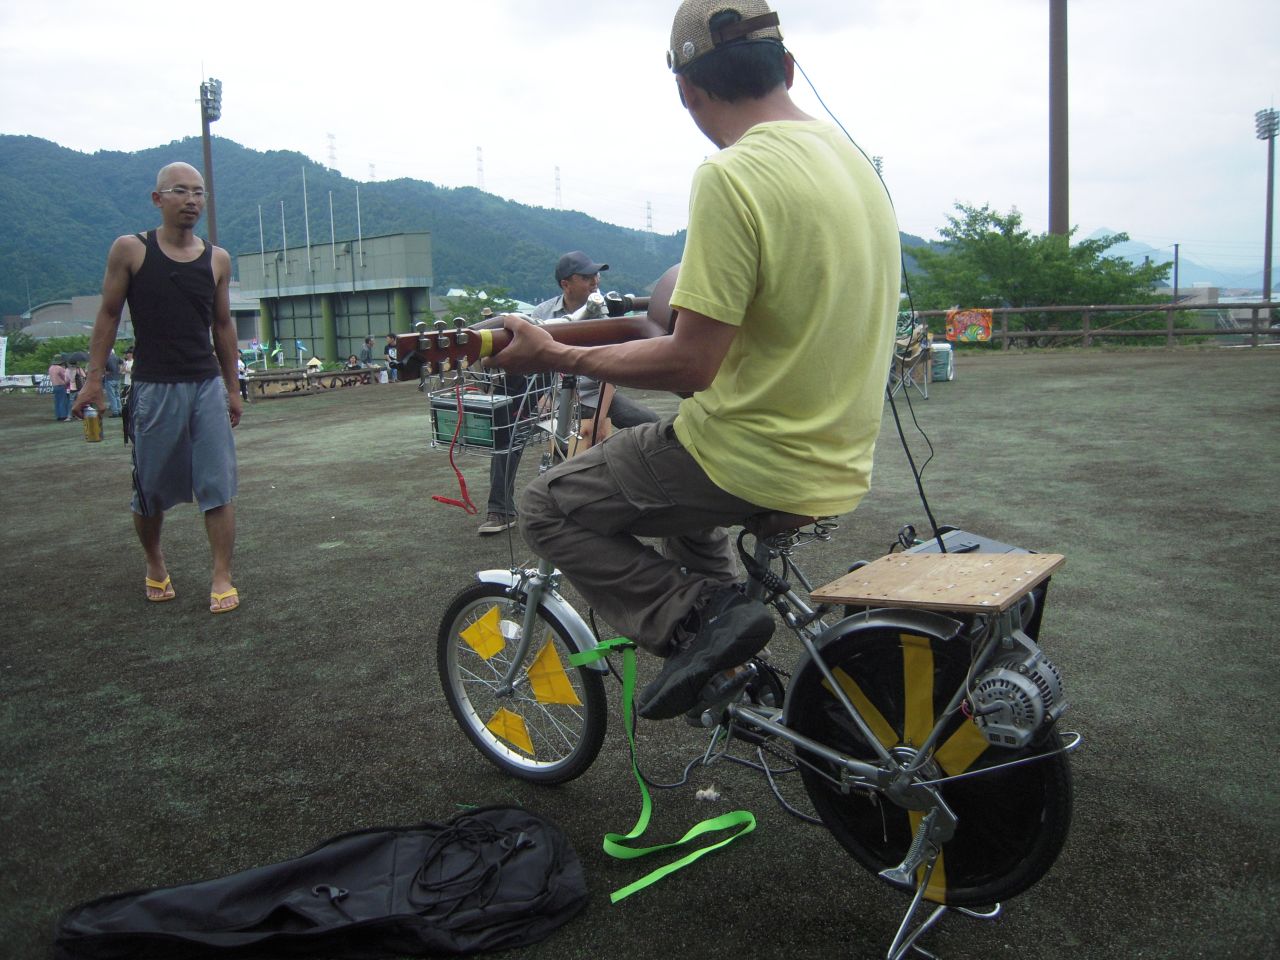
165, 585
215, 601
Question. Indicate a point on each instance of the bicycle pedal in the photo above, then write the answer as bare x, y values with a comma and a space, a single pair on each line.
717, 693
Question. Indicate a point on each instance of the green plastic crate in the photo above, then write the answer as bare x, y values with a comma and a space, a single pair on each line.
482, 416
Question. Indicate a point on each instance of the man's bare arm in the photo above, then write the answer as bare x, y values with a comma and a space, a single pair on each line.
122, 260
225, 342
684, 362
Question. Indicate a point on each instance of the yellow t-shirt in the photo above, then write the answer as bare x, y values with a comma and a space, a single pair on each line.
792, 239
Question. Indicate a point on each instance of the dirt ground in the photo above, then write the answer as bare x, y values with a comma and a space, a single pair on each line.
154, 744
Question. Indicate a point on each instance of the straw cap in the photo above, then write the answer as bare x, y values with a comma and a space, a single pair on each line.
692, 35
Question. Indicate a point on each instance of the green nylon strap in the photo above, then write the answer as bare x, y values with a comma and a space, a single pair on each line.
616, 845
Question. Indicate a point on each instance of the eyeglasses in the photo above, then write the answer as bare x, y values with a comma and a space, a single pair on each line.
183, 192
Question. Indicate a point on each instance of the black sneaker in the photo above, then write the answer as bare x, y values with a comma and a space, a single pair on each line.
731, 629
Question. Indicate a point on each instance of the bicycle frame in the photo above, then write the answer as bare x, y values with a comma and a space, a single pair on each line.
540, 585
802, 619
907, 770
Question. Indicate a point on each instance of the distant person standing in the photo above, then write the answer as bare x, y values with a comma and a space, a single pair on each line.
242, 376
60, 380
366, 353
111, 382
75, 379
183, 399
128, 371
393, 371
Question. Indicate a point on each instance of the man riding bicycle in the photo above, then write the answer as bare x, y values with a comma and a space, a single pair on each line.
785, 303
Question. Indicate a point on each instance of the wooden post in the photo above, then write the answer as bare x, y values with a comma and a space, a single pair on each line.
1004, 330
1168, 327
1085, 339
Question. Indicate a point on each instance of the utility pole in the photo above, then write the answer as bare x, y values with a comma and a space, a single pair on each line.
1175, 272
1059, 205
1268, 123
210, 110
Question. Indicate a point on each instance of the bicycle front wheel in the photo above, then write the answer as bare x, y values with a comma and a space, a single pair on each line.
547, 727
1012, 823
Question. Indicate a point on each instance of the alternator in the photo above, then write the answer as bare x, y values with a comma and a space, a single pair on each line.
1018, 694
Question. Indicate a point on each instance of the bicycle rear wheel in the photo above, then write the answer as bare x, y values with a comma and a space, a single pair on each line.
1012, 822
549, 727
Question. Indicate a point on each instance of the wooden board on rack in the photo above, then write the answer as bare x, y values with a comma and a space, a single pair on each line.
968, 582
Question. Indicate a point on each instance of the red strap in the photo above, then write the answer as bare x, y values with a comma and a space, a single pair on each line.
465, 503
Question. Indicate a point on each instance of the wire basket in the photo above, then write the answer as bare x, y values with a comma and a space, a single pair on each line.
498, 413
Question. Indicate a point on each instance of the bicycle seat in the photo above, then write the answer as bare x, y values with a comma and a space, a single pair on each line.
774, 522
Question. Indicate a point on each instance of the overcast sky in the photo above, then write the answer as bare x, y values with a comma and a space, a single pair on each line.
953, 94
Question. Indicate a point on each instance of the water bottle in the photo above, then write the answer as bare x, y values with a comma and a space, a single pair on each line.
92, 425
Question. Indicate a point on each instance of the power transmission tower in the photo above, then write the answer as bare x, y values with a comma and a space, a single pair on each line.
650, 245
333, 151
557, 188
480, 167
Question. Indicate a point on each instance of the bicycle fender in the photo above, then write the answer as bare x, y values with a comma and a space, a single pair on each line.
581, 635
902, 620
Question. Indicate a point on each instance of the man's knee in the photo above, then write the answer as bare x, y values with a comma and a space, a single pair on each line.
535, 511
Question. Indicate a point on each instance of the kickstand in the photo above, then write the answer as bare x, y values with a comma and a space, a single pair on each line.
905, 941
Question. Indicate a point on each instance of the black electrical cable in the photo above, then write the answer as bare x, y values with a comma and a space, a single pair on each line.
917, 474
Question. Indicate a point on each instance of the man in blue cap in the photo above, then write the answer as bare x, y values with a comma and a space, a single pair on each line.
578, 277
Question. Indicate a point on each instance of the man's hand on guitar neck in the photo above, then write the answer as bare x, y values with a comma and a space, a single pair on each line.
531, 349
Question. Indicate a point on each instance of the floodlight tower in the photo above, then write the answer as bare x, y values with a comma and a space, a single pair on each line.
1268, 122
210, 110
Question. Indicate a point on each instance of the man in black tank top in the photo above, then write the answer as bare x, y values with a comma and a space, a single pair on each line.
184, 399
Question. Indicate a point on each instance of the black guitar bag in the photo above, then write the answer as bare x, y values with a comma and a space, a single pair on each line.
490, 879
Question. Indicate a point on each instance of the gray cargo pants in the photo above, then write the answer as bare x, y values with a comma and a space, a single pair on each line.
586, 516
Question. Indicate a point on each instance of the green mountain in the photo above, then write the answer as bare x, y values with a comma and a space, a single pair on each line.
61, 209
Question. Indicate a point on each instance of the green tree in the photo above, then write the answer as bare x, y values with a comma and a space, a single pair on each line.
32, 356
470, 306
988, 259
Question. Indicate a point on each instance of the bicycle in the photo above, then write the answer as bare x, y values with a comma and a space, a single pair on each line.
920, 683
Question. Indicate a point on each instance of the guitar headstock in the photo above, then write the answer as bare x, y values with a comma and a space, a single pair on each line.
437, 349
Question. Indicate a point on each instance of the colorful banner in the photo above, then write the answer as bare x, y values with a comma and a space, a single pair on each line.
969, 326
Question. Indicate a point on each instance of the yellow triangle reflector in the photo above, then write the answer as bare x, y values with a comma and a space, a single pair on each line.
485, 635
549, 681
510, 727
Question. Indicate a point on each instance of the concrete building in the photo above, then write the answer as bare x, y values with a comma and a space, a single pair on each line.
74, 317
333, 297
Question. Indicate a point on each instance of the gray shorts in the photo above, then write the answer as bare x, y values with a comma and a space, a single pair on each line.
182, 445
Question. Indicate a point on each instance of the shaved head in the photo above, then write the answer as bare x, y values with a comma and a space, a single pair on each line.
176, 172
